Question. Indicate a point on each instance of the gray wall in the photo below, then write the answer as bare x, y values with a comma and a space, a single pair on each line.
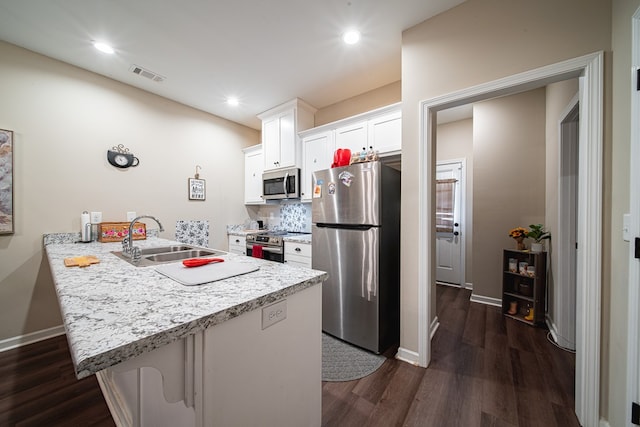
508, 180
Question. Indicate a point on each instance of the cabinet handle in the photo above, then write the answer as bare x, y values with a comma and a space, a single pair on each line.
237, 240
455, 233
298, 249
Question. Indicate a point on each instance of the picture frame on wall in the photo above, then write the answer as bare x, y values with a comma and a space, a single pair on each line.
197, 189
6, 182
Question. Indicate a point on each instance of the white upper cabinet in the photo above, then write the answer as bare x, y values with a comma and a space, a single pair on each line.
280, 127
317, 153
385, 133
253, 166
353, 136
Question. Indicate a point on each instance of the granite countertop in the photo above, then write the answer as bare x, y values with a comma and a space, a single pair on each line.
113, 311
301, 238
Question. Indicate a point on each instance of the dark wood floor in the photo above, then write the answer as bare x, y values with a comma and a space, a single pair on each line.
38, 388
486, 370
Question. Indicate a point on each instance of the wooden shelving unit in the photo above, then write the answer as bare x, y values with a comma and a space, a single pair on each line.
526, 290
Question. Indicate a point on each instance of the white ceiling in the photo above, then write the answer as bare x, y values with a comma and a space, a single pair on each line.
265, 52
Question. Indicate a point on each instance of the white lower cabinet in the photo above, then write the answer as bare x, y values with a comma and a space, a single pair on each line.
237, 244
296, 253
242, 372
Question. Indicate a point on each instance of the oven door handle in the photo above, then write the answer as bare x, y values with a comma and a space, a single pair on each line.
271, 249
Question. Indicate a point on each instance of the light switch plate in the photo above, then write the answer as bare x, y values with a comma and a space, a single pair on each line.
626, 219
274, 313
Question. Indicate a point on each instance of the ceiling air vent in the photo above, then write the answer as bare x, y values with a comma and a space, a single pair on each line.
135, 69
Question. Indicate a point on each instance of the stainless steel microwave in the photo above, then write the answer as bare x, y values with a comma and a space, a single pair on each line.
281, 184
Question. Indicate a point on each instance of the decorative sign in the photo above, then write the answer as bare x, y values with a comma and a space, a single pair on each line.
197, 189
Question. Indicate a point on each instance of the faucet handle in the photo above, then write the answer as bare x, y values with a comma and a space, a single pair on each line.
125, 245
136, 253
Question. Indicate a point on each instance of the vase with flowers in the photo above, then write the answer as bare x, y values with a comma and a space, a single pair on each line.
538, 234
519, 234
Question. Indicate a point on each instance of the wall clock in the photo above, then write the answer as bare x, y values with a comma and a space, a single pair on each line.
120, 157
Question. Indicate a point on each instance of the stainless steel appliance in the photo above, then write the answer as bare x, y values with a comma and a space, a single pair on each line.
271, 244
356, 239
281, 184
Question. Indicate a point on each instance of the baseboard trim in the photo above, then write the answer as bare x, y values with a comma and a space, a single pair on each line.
468, 286
30, 338
497, 302
408, 356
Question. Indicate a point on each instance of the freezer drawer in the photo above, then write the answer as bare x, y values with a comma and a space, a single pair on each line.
350, 296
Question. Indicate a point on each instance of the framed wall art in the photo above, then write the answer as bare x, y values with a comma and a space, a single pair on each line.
6, 182
197, 189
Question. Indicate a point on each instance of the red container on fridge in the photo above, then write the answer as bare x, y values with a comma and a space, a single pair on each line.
341, 157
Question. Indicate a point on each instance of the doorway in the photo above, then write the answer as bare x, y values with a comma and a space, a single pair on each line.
633, 356
589, 70
450, 221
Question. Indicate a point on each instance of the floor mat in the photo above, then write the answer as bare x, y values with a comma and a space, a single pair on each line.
344, 362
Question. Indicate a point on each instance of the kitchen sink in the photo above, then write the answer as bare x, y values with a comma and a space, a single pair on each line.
180, 255
162, 249
165, 254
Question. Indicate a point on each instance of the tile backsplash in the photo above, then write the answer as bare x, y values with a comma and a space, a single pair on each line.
295, 217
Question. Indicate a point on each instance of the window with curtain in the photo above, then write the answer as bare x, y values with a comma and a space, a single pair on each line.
445, 204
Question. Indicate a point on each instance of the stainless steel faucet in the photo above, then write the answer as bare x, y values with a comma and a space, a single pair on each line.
128, 249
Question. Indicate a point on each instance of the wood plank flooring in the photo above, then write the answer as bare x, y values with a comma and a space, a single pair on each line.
486, 370
38, 387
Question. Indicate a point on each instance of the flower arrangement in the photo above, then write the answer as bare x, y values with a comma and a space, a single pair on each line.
518, 232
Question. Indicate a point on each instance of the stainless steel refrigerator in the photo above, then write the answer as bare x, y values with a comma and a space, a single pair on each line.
356, 239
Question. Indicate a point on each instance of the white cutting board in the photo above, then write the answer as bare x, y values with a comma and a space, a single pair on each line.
205, 273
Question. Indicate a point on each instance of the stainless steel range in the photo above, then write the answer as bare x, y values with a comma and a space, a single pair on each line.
268, 245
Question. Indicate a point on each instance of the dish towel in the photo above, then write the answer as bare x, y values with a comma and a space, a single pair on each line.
256, 251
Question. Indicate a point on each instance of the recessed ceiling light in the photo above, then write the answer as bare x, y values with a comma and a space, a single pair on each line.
103, 47
351, 37
233, 101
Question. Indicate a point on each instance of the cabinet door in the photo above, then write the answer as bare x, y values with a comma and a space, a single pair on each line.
353, 137
271, 142
287, 139
253, 166
237, 245
385, 133
318, 154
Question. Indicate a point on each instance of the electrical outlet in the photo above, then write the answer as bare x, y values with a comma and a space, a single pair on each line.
96, 217
131, 216
274, 313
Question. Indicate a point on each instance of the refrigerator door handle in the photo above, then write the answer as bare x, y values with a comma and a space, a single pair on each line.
346, 226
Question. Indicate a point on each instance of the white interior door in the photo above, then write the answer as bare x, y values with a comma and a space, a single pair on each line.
449, 239
564, 311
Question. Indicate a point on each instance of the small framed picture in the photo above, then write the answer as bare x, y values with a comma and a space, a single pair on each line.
197, 189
